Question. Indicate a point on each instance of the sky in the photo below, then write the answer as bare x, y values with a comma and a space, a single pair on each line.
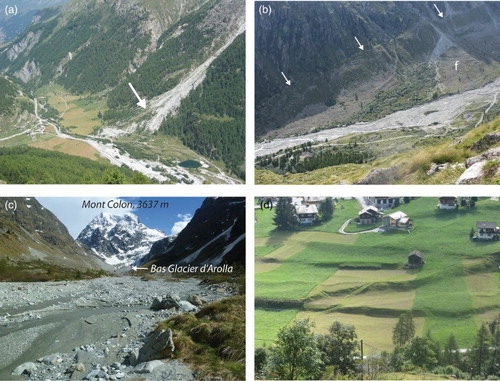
170, 220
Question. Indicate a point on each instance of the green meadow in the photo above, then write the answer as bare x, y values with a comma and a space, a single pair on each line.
361, 279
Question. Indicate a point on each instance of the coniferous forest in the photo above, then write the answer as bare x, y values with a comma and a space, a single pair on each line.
28, 165
211, 120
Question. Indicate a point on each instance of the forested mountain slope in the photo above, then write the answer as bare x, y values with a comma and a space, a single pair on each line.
408, 58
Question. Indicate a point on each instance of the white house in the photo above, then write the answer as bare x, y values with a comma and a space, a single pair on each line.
487, 230
306, 213
384, 203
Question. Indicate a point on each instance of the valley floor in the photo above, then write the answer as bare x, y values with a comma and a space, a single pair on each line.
393, 139
95, 323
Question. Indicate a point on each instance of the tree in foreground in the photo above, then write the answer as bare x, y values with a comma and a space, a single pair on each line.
422, 352
451, 355
260, 360
479, 353
339, 347
404, 330
285, 218
295, 353
494, 365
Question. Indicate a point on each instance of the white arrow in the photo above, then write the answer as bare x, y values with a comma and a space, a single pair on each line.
440, 14
142, 102
135, 268
360, 46
288, 82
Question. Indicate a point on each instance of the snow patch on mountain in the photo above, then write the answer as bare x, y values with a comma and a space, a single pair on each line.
226, 235
119, 239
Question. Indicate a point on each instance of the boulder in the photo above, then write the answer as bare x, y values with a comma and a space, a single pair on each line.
77, 371
472, 174
491, 154
96, 373
195, 299
148, 367
156, 305
486, 141
381, 176
26, 368
187, 307
167, 302
52, 359
435, 168
157, 345
133, 358
78, 367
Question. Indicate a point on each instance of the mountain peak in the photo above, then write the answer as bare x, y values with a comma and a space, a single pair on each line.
119, 239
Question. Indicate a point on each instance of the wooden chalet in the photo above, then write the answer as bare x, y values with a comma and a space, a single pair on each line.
397, 220
487, 230
447, 203
415, 259
369, 215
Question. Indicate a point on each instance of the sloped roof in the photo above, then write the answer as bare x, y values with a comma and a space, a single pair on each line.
486, 225
371, 210
306, 209
416, 253
399, 215
447, 199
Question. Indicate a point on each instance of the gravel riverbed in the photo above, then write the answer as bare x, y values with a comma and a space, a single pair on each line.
89, 329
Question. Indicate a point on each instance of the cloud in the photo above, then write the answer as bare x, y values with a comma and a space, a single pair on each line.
180, 225
70, 212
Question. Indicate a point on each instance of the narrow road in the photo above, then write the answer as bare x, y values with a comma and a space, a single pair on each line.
486, 111
12, 136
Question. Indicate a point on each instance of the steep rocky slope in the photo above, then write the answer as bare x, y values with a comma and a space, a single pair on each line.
215, 235
31, 233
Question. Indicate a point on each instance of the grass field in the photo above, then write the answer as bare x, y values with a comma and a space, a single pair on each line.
270, 321
79, 114
71, 147
360, 279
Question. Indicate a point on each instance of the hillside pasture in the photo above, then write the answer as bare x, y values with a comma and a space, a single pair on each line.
364, 282
79, 114
71, 147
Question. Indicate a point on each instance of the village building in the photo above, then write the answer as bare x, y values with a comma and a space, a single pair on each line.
369, 215
313, 200
384, 203
307, 214
487, 230
447, 203
415, 259
397, 220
